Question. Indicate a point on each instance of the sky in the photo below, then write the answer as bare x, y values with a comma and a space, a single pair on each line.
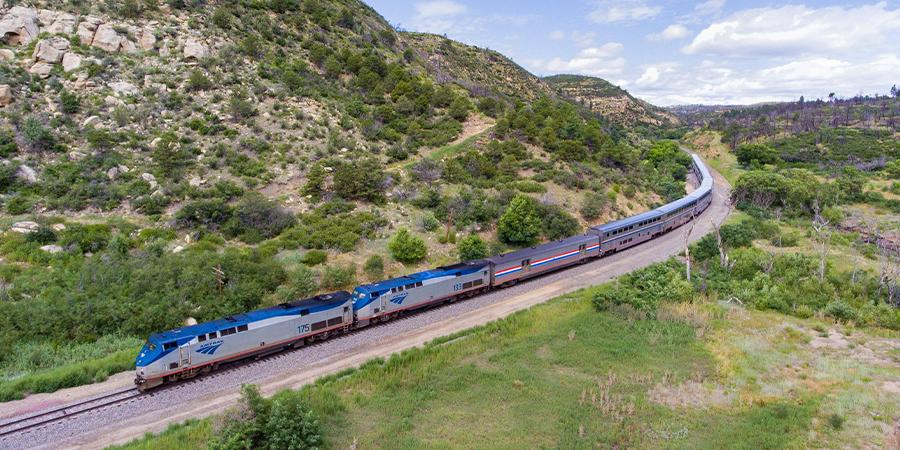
677, 52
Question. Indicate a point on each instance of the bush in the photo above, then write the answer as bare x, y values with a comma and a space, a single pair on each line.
520, 223
36, 136
199, 82
471, 247
593, 205
337, 277
8, 144
407, 248
428, 222
212, 214
302, 284
240, 108
283, 422
68, 102
314, 257
374, 267
255, 214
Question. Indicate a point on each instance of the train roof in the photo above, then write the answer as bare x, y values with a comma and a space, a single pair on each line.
313, 304
669, 207
465, 267
616, 224
550, 246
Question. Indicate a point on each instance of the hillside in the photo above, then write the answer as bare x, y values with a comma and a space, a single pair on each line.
286, 143
601, 96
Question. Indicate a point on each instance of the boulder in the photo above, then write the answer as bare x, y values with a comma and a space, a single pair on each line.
6, 96
64, 24
107, 38
148, 39
123, 168
177, 249
164, 49
148, 177
7, 54
41, 69
154, 142
87, 30
71, 61
129, 47
83, 82
19, 26
90, 121
58, 227
123, 88
112, 173
196, 182
45, 51
46, 16
52, 248
190, 321
76, 156
194, 49
27, 225
113, 102
27, 173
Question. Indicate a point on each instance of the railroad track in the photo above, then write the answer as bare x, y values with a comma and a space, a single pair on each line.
25, 423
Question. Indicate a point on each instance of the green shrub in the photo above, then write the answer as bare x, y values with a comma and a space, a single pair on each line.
374, 267
520, 224
37, 136
531, 187
8, 144
471, 247
69, 102
256, 215
199, 82
212, 214
302, 284
407, 248
314, 257
336, 277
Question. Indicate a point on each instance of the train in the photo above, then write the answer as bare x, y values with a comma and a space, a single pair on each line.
186, 352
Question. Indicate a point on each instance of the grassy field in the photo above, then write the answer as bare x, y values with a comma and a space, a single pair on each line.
714, 152
560, 375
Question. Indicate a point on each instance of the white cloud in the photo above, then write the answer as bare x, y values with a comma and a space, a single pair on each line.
793, 31
671, 32
713, 83
709, 8
623, 10
583, 39
595, 61
557, 35
437, 16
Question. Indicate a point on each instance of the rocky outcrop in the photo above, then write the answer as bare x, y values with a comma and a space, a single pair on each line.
41, 69
7, 54
87, 30
27, 173
195, 50
148, 39
50, 51
71, 61
107, 38
65, 24
123, 88
6, 96
91, 121
19, 26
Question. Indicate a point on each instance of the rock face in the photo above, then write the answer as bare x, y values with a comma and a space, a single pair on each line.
195, 50
121, 87
76, 156
65, 24
19, 26
87, 29
148, 39
52, 248
71, 61
27, 173
50, 51
91, 121
7, 54
41, 69
107, 38
5, 95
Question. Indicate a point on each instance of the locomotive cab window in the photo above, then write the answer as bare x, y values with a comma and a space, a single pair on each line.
212, 335
201, 338
241, 328
150, 346
169, 345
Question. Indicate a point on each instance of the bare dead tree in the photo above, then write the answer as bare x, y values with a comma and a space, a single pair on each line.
821, 239
767, 266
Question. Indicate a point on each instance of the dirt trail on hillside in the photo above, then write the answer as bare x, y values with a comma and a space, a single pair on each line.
607, 268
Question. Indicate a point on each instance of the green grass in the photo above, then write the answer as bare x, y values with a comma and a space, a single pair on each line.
450, 150
192, 434
66, 376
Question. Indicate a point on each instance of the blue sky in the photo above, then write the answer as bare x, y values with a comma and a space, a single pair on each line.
676, 52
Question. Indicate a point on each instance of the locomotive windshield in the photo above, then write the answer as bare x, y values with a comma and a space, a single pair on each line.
150, 346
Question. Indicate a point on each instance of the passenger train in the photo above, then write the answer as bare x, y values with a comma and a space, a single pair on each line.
186, 352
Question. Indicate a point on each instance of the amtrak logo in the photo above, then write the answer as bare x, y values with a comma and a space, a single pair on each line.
210, 348
398, 300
